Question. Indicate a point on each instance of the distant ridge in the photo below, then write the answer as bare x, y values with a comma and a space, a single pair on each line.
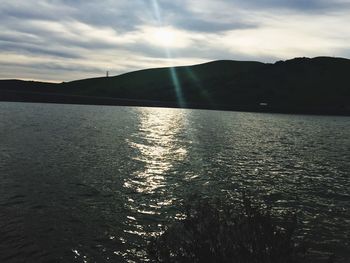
318, 85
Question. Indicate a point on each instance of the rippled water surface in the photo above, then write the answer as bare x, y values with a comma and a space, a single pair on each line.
91, 183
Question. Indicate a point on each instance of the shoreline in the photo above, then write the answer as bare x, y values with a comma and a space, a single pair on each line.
39, 97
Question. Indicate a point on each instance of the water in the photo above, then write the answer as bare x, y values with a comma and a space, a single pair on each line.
91, 183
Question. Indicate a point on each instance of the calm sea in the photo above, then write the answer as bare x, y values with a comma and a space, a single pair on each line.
92, 183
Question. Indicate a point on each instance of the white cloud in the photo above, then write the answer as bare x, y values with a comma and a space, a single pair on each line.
284, 37
63, 40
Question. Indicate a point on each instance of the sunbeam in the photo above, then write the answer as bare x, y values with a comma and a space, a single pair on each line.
156, 10
178, 89
165, 37
197, 82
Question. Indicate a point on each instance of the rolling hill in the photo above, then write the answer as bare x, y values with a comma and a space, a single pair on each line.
319, 85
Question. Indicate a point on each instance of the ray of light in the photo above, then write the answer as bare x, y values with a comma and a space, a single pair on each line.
198, 84
173, 74
156, 11
178, 88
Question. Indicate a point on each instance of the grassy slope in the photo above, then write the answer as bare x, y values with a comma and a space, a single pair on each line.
294, 85
198, 82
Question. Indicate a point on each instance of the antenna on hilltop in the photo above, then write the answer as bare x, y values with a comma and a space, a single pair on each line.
107, 74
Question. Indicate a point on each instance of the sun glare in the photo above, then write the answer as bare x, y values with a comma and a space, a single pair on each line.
164, 37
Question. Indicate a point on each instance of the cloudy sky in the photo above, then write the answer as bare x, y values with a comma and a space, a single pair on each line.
62, 40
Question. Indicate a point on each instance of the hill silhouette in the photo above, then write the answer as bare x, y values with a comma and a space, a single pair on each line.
319, 85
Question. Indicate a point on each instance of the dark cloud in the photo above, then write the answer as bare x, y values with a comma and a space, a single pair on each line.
34, 10
23, 48
53, 66
299, 5
47, 71
200, 25
178, 14
123, 18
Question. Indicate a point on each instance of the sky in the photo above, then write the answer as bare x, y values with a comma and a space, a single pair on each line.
64, 40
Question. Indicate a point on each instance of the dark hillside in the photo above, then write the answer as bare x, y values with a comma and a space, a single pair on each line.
197, 83
302, 85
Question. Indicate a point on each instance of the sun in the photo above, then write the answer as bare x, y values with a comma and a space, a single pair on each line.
164, 37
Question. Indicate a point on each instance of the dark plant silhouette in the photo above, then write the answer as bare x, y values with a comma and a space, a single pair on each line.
228, 231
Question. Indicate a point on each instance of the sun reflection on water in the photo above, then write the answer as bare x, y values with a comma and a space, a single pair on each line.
156, 148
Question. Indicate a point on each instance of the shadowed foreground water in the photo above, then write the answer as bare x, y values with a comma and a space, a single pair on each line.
91, 184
